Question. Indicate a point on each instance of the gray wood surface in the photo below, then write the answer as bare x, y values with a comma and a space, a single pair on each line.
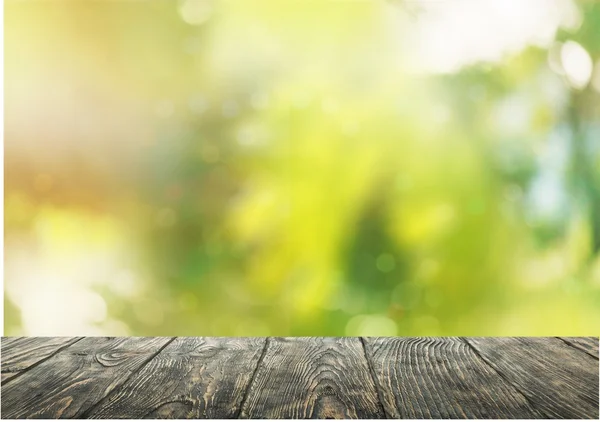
558, 382
304, 377
18, 354
191, 378
70, 382
8, 340
441, 378
312, 377
586, 344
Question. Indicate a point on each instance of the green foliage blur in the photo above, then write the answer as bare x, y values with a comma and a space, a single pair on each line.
242, 168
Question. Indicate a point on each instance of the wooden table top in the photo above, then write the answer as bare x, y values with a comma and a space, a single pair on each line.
299, 377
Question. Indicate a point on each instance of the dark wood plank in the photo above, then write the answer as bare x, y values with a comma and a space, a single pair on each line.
441, 378
69, 383
313, 378
193, 377
586, 344
20, 353
558, 380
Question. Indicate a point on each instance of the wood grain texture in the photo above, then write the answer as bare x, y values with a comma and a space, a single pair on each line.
557, 381
441, 378
70, 382
7, 340
311, 377
192, 377
105, 377
586, 344
20, 353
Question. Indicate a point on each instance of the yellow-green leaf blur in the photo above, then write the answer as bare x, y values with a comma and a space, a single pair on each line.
288, 167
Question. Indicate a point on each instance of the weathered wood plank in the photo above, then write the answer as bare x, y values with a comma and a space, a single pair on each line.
441, 378
557, 380
312, 377
586, 344
20, 353
301, 378
70, 382
8, 340
192, 377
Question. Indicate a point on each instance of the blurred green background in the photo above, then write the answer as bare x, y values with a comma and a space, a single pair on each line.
240, 168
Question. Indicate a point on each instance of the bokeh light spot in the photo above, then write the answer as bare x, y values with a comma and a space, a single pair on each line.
577, 64
371, 325
195, 12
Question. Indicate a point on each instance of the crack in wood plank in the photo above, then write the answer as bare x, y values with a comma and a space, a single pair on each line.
373, 377
85, 414
583, 347
258, 363
313, 377
500, 374
68, 374
20, 360
441, 378
559, 381
303, 377
194, 377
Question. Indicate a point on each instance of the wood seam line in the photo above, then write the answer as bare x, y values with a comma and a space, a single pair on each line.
247, 392
575, 346
57, 351
86, 413
372, 372
509, 382
9, 341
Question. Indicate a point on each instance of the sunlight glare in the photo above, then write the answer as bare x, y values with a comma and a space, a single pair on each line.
577, 64
451, 35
